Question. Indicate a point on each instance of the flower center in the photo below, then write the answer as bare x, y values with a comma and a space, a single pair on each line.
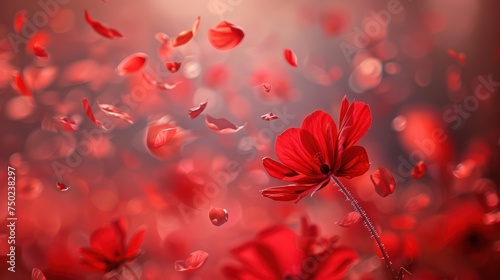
325, 169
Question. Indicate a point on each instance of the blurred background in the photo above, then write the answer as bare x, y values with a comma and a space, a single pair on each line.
429, 71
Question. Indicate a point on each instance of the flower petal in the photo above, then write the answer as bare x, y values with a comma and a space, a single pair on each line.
418, 170
111, 110
135, 244
90, 114
94, 260
288, 192
36, 274
195, 260
173, 66
354, 162
269, 116
19, 85
196, 111
131, 64
297, 149
221, 126
19, 20
322, 127
354, 123
186, 36
383, 181
164, 136
225, 36
349, 219
101, 29
290, 57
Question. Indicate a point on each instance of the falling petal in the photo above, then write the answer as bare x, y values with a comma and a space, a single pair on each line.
36, 274
267, 87
196, 111
269, 116
19, 85
218, 216
66, 123
39, 51
290, 57
221, 126
131, 63
173, 66
349, 219
111, 110
62, 187
164, 136
101, 29
225, 36
418, 170
90, 114
19, 20
186, 36
195, 260
383, 181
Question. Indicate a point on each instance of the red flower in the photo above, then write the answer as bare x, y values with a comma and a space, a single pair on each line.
108, 250
278, 253
313, 153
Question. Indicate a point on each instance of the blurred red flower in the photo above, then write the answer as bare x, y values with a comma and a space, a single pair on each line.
108, 250
279, 253
313, 153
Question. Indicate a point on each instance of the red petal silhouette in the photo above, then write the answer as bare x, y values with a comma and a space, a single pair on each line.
269, 116
19, 20
111, 110
349, 219
418, 170
221, 126
101, 29
173, 66
225, 36
39, 51
90, 114
290, 57
36, 274
62, 187
164, 136
383, 181
196, 111
66, 123
135, 243
267, 87
195, 260
218, 216
131, 63
186, 36
19, 85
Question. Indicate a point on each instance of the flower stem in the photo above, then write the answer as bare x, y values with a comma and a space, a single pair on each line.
130, 271
368, 224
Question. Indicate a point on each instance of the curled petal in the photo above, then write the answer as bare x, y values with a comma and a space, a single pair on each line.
101, 29
269, 116
195, 260
131, 63
266, 87
186, 36
19, 85
196, 111
290, 57
354, 162
36, 274
278, 170
383, 181
285, 193
349, 219
159, 85
418, 170
39, 51
90, 114
225, 36
173, 66
62, 187
164, 136
111, 110
222, 126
